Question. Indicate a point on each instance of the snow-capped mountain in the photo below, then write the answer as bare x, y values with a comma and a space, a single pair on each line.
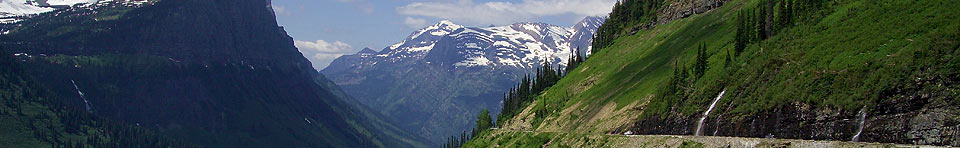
521, 45
14, 10
438, 77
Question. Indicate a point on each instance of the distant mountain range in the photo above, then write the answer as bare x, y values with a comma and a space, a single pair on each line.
438, 79
213, 73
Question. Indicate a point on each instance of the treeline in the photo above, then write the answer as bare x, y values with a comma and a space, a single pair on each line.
484, 122
454, 141
529, 87
681, 83
627, 16
513, 101
753, 25
42, 116
574, 61
769, 17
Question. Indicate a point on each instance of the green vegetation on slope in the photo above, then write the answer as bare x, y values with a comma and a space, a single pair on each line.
32, 116
826, 55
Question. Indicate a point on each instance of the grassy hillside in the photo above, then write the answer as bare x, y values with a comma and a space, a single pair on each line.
896, 60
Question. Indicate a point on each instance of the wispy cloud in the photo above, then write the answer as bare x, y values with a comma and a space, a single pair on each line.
362, 5
467, 11
321, 52
414, 22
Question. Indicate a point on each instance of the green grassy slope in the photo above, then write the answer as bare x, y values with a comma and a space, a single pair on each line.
844, 57
634, 67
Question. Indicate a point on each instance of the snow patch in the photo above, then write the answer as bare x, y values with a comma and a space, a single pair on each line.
422, 48
472, 45
10, 8
69, 2
474, 61
439, 32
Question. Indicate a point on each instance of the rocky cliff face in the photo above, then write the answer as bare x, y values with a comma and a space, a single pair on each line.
921, 121
684, 8
220, 73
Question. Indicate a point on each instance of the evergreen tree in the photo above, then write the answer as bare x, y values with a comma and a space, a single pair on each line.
463, 138
784, 15
483, 122
740, 40
701, 64
729, 58
574, 61
762, 20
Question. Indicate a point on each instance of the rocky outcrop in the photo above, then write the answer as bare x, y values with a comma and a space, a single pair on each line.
922, 119
679, 9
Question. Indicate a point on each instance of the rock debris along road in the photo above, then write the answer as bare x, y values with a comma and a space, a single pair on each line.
717, 141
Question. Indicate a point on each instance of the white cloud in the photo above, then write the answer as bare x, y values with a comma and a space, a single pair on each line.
321, 52
414, 22
505, 12
280, 10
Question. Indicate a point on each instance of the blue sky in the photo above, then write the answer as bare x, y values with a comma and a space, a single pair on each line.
326, 29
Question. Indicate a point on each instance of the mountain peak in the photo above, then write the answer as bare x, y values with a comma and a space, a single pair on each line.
594, 18
446, 25
445, 22
442, 55
590, 21
367, 50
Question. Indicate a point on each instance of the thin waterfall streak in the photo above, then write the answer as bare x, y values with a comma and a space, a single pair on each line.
863, 119
85, 102
717, 129
707, 113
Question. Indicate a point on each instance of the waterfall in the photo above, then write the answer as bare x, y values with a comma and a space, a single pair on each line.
717, 130
85, 102
863, 119
707, 113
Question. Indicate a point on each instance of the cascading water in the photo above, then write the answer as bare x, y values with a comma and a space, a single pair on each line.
85, 102
707, 113
863, 119
717, 130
